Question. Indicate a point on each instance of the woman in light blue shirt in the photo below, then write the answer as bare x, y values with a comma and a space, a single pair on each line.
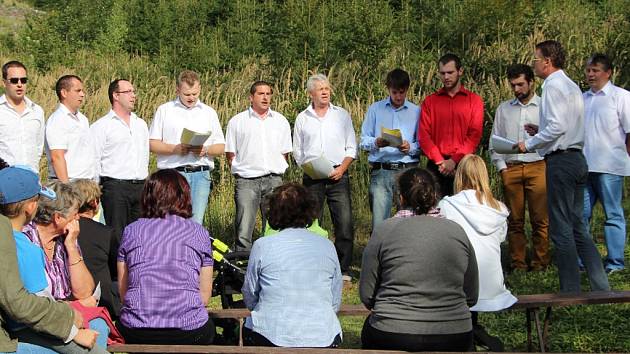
293, 282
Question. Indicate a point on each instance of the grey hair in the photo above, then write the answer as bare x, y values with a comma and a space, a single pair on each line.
310, 84
67, 198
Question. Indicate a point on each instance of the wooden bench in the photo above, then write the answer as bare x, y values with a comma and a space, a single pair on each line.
532, 304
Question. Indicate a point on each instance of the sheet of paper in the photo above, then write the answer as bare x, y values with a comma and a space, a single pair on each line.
191, 137
393, 136
502, 145
320, 168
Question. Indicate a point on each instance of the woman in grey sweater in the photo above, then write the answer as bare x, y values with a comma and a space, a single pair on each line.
418, 276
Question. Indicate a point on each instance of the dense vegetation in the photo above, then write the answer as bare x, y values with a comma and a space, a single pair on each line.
234, 42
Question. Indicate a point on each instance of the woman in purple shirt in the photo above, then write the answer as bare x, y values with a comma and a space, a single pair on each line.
165, 268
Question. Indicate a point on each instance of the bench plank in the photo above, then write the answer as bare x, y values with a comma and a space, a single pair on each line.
221, 349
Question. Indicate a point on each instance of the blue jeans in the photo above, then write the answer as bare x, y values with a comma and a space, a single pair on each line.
249, 196
566, 177
200, 186
382, 191
608, 190
36, 343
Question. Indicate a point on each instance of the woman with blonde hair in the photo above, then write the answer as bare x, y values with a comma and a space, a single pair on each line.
484, 219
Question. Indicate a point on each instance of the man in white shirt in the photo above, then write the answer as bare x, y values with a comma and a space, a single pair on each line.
607, 150
523, 175
68, 142
121, 147
325, 130
560, 139
193, 162
258, 142
21, 120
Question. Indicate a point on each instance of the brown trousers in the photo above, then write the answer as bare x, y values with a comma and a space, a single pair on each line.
521, 183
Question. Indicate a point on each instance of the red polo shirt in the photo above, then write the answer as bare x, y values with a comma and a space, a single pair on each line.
450, 126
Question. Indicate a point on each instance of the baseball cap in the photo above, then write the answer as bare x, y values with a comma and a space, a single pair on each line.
18, 183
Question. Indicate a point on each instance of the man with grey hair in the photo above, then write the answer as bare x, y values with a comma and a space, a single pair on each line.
324, 132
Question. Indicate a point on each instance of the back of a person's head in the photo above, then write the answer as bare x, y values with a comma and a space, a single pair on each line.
472, 174
418, 189
67, 199
166, 192
89, 194
291, 206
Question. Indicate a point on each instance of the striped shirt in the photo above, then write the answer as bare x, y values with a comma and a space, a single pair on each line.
164, 258
57, 272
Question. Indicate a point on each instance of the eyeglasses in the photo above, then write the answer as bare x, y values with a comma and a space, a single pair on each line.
15, 80
127, 91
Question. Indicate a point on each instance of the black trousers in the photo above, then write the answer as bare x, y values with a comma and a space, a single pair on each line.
254, 339
121, 202
372, 338
337, 193
445, 182
203, 335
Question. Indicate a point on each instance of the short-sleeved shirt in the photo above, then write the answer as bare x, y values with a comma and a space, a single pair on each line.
21, 135
164, 258
71, 132
258, 144
170, 120
31, 263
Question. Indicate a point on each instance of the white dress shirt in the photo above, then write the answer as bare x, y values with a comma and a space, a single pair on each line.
258, 144
71, 132
170, 120
21, 135
121, 150
561, 116
331, 136
509, 121
606, 123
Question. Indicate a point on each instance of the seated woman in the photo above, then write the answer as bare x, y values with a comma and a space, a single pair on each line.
293, 282
485, 221
418, 276
165, 268
55, 229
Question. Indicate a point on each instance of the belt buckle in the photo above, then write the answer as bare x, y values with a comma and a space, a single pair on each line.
395, 166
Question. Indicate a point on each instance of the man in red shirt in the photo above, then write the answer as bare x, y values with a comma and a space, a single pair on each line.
451, 123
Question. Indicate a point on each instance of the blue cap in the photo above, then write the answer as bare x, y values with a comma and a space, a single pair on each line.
20, 183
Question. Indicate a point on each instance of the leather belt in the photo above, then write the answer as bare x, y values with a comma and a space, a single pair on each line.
110, 179
191, 168
392, 165
560, 152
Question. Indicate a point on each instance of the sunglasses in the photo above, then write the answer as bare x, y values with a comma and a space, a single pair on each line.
15, 80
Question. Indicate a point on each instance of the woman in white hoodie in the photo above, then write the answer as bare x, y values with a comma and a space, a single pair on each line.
484, 219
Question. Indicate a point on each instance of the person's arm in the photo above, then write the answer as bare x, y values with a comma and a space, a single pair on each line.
337, 281
298, 154
81, 281
556, 108
98, 143
251, 285
40, 313
628, 143
159, 147
424, 133
369, 280
414, 146
474, 130
57, 140
230, 142
58, 161
122, 280
369, 137
338, 172
350, 149
497, 129
40, 136
205, 284
213, 150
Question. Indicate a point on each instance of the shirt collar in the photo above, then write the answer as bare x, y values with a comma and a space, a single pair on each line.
534, 101
179, 103
252, 113
556, 74
311, 110
388, 103
111, 114
606, 90
462, 91
29, 103
67, 111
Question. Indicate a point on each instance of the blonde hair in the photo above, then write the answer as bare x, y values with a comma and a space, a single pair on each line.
13, 210
187, 76
472, 174
88, 191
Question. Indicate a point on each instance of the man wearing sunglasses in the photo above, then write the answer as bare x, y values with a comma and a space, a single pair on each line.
21, 120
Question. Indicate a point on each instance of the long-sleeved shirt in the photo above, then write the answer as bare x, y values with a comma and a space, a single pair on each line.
383, 114
293, 289
21, 134
450, 126
606, 125
509, 122
561, 116
331, 136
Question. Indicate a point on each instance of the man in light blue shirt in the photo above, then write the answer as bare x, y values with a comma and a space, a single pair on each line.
386, 160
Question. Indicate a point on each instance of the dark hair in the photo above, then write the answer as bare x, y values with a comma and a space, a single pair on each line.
3, 164
291, 205
554, 51
11, 64
252, 89
449, 57
166, 192
397, 79
113, 87
419, 191
600, 58
65, 83
514, 71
